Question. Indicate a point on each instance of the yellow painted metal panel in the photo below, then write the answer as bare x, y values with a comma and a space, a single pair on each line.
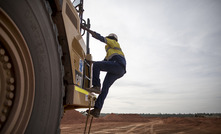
81, 90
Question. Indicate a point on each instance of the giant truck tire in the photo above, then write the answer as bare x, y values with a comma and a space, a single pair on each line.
31, 77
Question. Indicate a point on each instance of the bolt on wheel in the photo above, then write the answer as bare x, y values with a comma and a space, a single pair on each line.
17, 83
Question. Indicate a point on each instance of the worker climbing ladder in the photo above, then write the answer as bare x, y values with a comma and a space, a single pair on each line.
91, 99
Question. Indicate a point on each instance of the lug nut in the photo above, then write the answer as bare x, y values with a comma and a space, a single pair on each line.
4, 110
5, 58
10, 95
8, 66
11, 88
8, 103
2, 118
11, 80
2, 52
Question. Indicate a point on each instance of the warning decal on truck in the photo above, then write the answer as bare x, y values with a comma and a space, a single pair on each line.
78, 78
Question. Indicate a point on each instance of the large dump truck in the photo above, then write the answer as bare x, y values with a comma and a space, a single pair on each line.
42, 61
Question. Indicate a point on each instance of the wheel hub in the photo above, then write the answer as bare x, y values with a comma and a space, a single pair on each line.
7, 87
17, 81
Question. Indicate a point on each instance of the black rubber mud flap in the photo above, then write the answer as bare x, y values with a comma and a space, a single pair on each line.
33, 20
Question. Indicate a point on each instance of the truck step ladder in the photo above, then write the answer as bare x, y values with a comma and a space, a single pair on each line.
92, 99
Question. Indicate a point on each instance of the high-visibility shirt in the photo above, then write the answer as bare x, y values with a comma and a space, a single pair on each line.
112, 48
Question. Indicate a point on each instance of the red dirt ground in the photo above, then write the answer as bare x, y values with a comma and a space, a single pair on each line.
73, 122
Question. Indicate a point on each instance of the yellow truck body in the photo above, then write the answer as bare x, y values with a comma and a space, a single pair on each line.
42, 65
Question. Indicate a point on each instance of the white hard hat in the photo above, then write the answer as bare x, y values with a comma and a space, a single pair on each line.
113, 35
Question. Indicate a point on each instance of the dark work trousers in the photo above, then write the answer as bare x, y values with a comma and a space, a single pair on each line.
114, 71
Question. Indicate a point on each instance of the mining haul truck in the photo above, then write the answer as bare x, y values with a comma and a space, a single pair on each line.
42, 61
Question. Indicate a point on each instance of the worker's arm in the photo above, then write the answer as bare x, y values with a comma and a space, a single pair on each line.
99, 37
94, 34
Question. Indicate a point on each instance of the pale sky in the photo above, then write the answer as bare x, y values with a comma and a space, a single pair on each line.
173, 53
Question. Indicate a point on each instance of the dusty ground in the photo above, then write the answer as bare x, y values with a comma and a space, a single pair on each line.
74, 123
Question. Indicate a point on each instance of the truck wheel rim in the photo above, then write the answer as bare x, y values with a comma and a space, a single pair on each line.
17, 83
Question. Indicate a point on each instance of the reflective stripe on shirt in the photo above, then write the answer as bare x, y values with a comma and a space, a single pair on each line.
113, 48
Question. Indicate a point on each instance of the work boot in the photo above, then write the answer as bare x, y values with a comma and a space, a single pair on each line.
95, 112
94, 89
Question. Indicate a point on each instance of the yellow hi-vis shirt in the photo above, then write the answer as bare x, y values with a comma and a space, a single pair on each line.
112, 48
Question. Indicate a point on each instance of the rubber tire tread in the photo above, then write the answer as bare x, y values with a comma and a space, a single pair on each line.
34, 22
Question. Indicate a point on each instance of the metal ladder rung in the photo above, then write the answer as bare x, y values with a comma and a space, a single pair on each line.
88, 78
